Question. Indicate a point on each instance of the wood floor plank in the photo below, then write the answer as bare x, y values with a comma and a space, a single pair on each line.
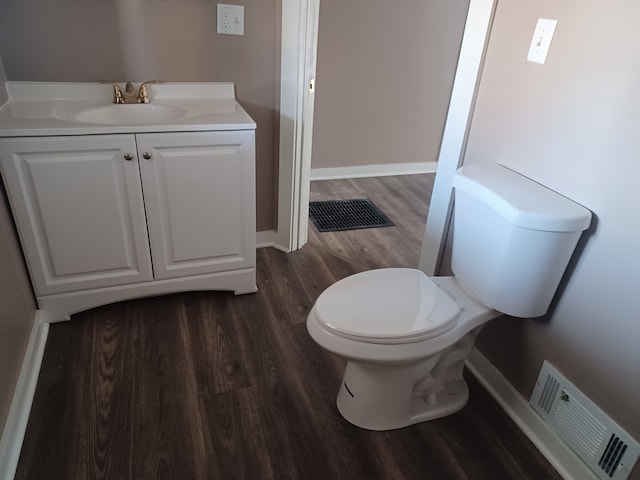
208, 385
281, 289
210, 335
236, 446
291, 441
61, 382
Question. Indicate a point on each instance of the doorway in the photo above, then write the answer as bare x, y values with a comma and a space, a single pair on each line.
299, 45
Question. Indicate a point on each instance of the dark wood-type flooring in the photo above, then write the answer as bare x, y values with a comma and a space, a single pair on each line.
208, 385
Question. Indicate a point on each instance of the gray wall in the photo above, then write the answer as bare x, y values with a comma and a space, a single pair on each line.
573, 126
17, 307
384, 77
17, 311
173, 40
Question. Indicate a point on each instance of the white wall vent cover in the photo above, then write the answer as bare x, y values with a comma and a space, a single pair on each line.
599, 441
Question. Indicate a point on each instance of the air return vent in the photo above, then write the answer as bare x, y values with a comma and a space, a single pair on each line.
599, 441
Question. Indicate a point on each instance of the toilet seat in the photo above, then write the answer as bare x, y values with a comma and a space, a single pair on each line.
360, 307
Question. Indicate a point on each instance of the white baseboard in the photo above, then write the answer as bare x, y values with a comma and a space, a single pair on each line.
383, 170
555, 450
269, 238
16, 424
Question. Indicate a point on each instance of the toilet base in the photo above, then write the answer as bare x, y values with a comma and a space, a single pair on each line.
377, 398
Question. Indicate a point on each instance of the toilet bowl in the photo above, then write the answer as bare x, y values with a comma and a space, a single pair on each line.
405, 335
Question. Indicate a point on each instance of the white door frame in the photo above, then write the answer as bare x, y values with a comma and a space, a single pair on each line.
298, 64
297, 77
475, 39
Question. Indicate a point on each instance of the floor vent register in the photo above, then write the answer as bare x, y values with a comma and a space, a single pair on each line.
600, 442
340, 215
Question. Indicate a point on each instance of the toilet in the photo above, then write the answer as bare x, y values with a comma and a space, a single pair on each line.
405, 335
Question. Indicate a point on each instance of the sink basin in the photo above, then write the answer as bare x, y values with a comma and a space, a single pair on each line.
40, 109
134, 114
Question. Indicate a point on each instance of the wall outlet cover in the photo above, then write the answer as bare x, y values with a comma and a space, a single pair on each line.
230, 19
541, 40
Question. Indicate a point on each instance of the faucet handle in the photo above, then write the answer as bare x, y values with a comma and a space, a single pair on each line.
117, 93
143, 96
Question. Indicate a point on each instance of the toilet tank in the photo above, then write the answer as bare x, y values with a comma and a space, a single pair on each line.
512, 238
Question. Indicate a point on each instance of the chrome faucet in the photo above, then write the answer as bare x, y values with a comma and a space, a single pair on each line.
117, 93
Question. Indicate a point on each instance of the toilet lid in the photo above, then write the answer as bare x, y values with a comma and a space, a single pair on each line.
391, 305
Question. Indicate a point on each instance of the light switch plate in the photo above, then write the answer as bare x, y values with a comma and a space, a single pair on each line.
541, 40
230, 19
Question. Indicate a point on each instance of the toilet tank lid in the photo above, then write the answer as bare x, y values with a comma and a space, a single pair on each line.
520, 200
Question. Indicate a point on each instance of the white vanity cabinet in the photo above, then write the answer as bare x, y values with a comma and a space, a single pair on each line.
104, 218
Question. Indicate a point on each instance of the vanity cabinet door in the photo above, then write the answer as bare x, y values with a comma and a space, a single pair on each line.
79, 210
200, 201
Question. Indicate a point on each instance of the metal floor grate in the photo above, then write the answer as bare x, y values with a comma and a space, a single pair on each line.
339, 215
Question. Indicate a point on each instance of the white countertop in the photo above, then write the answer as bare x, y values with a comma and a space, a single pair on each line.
41, 109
